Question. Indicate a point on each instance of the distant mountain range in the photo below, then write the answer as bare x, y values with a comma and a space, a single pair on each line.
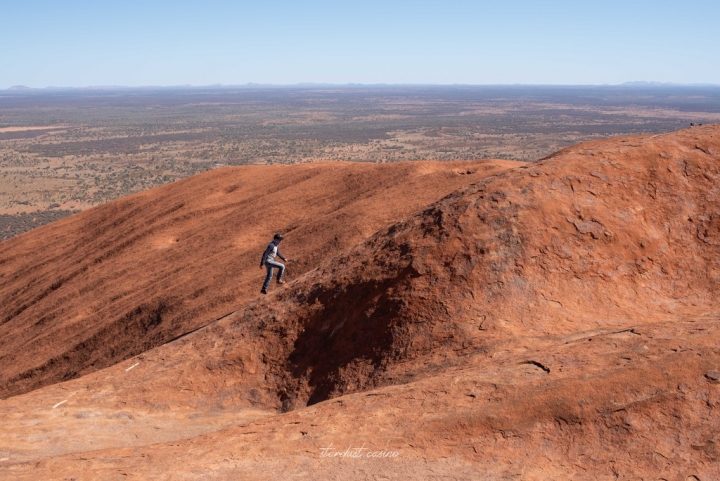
642, 83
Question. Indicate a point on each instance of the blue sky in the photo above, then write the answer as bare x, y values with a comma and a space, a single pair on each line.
136, 43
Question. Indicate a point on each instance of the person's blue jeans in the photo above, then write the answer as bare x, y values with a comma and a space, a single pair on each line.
270, 266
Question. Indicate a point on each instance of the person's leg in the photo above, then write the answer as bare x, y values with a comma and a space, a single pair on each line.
268, 277
280, 267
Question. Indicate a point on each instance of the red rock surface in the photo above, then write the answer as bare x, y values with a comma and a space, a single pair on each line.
552, 321
94, 289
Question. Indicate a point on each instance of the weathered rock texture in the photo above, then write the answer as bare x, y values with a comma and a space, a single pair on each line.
557, 320
112, 282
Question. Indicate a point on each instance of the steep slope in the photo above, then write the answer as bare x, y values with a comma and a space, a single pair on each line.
612, 235
556, 320
99, 287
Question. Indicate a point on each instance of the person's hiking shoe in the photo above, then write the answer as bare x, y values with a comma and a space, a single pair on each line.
280, 281
263, 291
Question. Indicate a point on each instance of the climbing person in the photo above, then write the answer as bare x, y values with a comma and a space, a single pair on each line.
268, 261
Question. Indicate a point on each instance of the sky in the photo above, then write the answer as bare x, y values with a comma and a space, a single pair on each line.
78, 43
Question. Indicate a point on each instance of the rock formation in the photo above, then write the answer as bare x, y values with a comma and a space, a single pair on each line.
554, 320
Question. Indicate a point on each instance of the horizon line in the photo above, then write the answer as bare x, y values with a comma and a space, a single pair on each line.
20, 88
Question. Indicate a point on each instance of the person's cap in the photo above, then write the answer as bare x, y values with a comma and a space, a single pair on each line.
278, 237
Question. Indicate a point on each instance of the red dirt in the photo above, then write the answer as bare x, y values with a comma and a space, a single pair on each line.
553, 321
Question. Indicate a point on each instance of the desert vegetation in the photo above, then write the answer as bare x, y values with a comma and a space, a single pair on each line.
62, 151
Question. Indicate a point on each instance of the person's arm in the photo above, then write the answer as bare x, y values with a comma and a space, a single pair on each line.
264, 256
280, 255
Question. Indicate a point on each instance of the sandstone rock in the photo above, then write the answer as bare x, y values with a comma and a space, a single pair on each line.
459, 335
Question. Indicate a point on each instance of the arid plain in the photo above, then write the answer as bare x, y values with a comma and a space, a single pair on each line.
66, 150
